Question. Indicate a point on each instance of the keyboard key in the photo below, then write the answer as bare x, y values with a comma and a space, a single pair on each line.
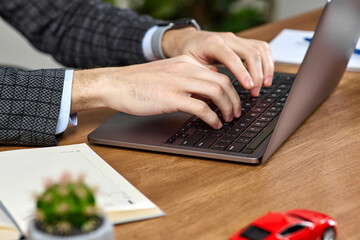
204, 128
265, 119
258, 109
259, 124
261, 137
270, 114
242, 124
283, 99
219, 146
225, 140
254, 129
231, 135
236, 147
274, 95
247, 151
263, 105
264, 91
246, 105
284, 86
193, 138
228, 124
206, 142
279, 104
171, 140
237, 129
223, 129
243, 140
252, 115
248, 134
181, 135
248, 119
275, 109
215, 133
269, 100
192, 124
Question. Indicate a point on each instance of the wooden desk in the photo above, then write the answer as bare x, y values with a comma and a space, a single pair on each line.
316, 168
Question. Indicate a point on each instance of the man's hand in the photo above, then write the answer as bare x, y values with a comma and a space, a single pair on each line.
164, 86
225, 48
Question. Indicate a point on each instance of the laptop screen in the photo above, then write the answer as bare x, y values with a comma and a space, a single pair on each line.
322, 69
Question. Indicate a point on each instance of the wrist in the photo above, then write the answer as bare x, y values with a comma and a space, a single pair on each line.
86, 90
171, 48
174, 40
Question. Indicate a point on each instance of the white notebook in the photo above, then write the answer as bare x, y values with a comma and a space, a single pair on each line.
23, 172
290, 46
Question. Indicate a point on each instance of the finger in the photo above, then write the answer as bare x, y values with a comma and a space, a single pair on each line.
221, 80
213, 91
253, 60
241, 47
200, 109
267, 63
251, 52
219, 51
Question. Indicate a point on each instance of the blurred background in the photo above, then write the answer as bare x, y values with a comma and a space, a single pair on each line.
215, 15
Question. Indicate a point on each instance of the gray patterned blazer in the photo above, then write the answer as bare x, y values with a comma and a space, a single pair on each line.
78, 34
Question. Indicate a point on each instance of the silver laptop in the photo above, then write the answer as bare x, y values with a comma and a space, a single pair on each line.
266, 121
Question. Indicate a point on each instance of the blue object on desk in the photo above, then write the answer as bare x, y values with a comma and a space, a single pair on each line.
356, 51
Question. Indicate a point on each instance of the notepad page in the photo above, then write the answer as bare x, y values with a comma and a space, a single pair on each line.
8, 229
23, 172
289, 46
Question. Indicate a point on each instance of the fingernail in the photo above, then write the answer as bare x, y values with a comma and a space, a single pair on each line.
249, 83
256, 91
214, 68
268, 81
238, 113
219, 125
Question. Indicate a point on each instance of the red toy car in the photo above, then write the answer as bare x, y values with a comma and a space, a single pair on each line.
297, 224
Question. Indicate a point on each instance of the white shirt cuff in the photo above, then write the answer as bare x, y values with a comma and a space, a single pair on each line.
64, 114
146, 44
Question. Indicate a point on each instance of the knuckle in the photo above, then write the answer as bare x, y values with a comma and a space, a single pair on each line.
271, 66
214, 119
266, 46
227, 109
254, 53
215, 40
229, 35
217, 90
202, 108
225, 81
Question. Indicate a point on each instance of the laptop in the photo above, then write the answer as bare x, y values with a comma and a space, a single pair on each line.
266, 121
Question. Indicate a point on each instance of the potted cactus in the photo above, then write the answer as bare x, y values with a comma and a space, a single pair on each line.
67, 210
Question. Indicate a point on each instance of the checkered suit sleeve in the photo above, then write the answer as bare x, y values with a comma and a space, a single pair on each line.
80, 33
29, 106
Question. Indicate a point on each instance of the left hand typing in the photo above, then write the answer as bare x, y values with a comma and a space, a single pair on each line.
228, 49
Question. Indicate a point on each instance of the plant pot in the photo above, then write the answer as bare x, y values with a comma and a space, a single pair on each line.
104, 232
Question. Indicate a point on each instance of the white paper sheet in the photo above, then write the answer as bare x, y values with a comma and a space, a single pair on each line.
290, 47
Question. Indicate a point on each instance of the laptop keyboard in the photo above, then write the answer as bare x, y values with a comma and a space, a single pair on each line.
244, 134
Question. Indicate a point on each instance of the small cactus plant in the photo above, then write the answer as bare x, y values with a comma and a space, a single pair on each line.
67, 207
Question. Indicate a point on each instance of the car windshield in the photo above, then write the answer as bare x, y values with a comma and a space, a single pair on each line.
292, 229
255, 233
